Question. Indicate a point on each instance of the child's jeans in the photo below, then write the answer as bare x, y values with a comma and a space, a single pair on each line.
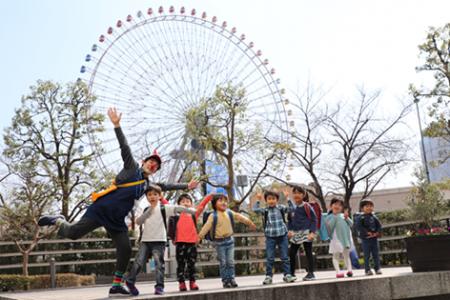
147, 250
225, 255
370, 246
271, 244
186, 254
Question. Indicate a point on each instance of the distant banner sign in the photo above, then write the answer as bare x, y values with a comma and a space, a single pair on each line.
218, 175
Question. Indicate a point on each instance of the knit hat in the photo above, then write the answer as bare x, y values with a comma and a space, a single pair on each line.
155, 156
365, 202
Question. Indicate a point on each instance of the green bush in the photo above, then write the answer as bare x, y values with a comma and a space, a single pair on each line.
14, 282
20, 282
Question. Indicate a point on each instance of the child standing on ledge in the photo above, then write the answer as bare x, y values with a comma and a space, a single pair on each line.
339, 229
219, 226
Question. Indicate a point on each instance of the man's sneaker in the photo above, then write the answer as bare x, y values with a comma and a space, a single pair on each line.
378, 272
233, 283
118, 291
340, 275
309, 277
49, 220
289, 278
159, 291
182, 286
293, 276
349, 274
132, 288
226, 284
193, 286
267, 280
369, 273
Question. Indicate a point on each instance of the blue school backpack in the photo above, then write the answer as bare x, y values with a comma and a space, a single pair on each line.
210, 235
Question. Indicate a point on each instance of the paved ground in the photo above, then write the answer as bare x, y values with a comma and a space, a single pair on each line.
206, 286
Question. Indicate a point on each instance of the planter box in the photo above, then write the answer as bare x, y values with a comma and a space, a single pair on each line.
429, 253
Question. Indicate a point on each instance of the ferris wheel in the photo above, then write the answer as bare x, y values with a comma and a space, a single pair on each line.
156, 65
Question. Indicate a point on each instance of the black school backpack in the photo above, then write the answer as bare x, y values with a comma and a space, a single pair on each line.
172, 227
210, 236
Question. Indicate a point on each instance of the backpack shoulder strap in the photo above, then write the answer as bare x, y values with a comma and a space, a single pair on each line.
308, 210
283, 214
230, 215
214, 225
266, 215
163, 213
194, 219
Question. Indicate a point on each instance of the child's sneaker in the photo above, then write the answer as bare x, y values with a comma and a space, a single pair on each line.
349, 274
193, 286
309, 277
48, 220
267, 280
233, 283
182, 286
118, 291
340, 275
289, 278
378, 272
226, 285
369, 273
132, 288
159, 291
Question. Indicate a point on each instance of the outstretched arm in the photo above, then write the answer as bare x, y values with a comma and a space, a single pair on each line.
178, 186
147, 212
125, 151
202, 205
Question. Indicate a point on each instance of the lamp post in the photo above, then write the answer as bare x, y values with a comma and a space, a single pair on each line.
427, 172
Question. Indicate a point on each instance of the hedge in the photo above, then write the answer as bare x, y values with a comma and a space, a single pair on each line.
20, 282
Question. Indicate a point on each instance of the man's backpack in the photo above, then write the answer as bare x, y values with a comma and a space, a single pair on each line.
172, 227
210, 236
266, 217
163, 214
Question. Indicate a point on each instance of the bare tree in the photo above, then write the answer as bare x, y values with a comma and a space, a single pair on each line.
346, 147
309, 136
367, 146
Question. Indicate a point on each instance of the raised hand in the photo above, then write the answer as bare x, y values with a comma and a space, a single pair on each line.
114, 116
193, 184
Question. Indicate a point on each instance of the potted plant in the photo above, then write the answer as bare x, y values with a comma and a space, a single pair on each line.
428, 245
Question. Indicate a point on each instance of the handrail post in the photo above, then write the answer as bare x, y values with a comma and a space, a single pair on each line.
52, 272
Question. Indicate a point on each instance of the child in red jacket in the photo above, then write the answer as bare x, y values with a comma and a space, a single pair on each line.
186, 238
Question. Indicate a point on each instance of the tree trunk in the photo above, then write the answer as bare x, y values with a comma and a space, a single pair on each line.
25, 259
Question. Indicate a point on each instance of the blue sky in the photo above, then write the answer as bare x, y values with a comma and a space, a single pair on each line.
336, 43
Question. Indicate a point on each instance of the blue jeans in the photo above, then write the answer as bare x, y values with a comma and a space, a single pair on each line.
225, 255
156, 250
370, 246
282, 243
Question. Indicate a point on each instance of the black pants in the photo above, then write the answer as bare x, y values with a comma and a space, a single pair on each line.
186, 255
309, 256
120, 239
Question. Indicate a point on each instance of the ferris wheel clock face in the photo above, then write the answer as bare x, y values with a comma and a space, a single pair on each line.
155, 65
